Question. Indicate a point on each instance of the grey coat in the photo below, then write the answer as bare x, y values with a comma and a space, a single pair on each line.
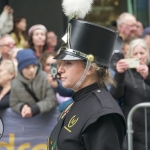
41, 88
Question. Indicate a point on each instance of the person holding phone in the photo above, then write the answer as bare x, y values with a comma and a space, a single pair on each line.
133, 86
50, 65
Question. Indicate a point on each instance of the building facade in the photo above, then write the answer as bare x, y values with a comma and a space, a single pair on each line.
104, 12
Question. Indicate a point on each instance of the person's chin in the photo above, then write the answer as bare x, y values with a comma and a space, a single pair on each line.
31, 77
65, 85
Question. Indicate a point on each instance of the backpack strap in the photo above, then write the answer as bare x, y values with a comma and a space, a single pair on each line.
30, 92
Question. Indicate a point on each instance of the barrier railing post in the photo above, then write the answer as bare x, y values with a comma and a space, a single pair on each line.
129, 124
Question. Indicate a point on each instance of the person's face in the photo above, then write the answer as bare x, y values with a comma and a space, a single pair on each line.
125, 49
147, 40
39, 37
22, 25
70, 71
51, 39
139, 29
13, 55
29, 72
129, 27
7, 44
5, 75
49, 61
140, 53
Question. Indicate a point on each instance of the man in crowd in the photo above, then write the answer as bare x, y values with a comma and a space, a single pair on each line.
127, 30
7, 43
126, 27
139, 29
146, 36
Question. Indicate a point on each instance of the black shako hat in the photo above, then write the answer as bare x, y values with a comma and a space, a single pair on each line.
85, 40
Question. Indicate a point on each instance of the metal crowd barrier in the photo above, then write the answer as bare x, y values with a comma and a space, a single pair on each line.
130, 127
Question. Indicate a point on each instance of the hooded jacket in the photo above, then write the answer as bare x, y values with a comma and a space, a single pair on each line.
19, 96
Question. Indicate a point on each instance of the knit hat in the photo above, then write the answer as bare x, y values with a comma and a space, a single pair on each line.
35, 27
25, 58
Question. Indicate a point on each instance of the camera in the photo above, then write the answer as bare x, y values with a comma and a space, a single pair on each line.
53, 70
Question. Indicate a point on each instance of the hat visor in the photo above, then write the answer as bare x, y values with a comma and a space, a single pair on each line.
65, 55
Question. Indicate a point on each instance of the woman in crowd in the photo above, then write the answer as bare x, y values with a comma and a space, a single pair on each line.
19, 32
37, 39
7, 73
46, 59
94, 119
133, 86
31, 94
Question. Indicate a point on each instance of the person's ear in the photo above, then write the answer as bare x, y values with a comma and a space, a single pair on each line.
12, 76
91, 70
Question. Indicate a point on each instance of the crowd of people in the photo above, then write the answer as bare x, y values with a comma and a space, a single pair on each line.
27, 86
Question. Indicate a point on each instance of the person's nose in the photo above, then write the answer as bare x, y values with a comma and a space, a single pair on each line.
12, 45
139, 56
134, 28
32, 69
61, 69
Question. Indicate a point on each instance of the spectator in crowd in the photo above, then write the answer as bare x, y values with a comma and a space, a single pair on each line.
19, 32
37, 39
133, 86
6, 20
31, 94
126, 27
120, 55
56, 84
7, 73
13, 55
45, 60
139, 29
146, 36
51, 41
7, 43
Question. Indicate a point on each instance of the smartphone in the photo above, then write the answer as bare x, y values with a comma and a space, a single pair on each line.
53, 70
132, 62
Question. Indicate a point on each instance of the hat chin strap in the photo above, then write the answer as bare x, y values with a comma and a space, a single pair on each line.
82, 77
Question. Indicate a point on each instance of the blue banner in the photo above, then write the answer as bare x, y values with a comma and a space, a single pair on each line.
26, 133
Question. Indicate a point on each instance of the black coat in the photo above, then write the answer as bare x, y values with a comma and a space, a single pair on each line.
133, 89
94, 122
4, 102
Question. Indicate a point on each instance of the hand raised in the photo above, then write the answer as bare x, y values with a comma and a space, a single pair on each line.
121, 66
143, 70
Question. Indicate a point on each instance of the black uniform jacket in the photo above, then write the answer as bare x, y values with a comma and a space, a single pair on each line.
94, 122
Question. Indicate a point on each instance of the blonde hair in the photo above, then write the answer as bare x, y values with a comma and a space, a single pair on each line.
135, 43
103, 74
9, 66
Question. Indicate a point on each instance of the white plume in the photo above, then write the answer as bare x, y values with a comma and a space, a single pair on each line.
77, 8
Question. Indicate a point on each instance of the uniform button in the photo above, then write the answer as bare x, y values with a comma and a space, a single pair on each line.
98, 90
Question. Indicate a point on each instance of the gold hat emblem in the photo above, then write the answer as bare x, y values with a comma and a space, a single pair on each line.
90, 57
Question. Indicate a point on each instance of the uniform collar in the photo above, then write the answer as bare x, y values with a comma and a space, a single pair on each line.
79, 95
